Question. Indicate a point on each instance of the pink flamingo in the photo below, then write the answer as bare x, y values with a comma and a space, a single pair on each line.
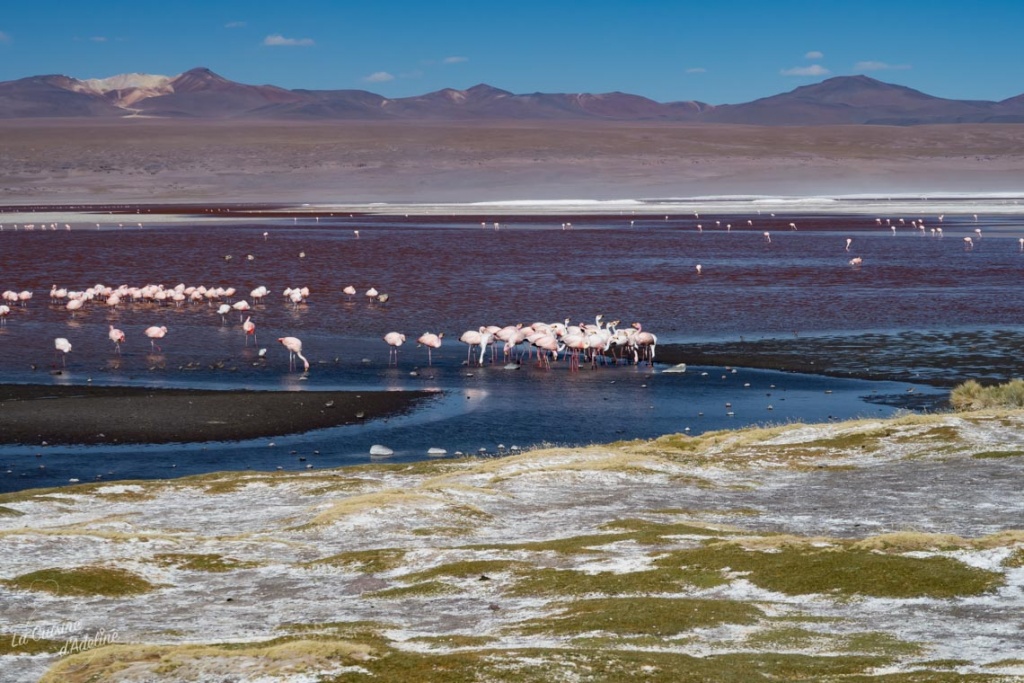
241, 306
155, 333
294, 346
476, 338
575, 343
62, 345
394, 340
431, 341
250, 330
645, 341
546, 343
4, 312
512, 342
116, 336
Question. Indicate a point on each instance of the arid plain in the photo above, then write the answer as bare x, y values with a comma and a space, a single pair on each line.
57, 161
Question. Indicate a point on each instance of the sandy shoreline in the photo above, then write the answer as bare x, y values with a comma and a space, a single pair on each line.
34, 414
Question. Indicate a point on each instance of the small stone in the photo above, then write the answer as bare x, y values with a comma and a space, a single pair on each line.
378, 449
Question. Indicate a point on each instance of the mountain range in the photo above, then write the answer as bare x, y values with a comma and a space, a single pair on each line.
201, 94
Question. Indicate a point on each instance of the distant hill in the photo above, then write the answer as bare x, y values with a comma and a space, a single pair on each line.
200, 93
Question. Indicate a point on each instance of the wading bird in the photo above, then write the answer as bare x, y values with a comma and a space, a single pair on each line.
116, 336
63, 347
155, 333
394, 340
294, 346
431, 341
250, 331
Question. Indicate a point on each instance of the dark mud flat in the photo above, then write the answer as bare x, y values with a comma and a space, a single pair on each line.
32, 414
941, 359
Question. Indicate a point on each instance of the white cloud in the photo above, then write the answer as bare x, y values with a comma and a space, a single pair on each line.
4, 38
696, 70
379, 77
812, 70
277, 40
454, 60
814, 54
235, 24
99, 39
878, 66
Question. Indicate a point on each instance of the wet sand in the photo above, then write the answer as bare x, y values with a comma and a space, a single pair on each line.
937, 358
34, 414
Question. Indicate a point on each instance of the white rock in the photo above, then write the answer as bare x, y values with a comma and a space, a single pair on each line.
377, 449
436, 452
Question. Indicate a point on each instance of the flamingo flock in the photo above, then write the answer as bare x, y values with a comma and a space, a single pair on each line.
594, 343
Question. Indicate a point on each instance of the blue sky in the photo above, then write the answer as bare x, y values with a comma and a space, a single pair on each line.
716, 52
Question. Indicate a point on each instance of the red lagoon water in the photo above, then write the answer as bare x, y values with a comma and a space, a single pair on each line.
449, 277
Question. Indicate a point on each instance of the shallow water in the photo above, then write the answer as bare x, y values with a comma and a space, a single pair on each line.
450, 274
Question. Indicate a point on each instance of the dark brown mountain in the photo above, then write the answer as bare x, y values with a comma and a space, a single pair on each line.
856, 100
48, 96
200, 93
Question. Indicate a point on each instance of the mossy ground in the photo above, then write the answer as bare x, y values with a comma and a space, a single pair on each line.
626, 592
83, 581
209, 562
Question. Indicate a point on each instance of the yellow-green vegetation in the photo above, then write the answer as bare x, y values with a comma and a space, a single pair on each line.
369, 561
26, 644
364, 662
636, 530
467, 569
644, 531
998, 454
790, 638
10, 512
1015, 559
800, 570
453, 531
909, 541
567, 582
971, 395
881, 643
943, 663
371, 501
365, 632
105, 581
202, 562
588, 543
278, 657
455, 641
796, 638
317, 482
947, 433
425, 589
642, 616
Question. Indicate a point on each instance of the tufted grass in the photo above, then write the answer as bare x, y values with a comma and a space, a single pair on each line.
83, 581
